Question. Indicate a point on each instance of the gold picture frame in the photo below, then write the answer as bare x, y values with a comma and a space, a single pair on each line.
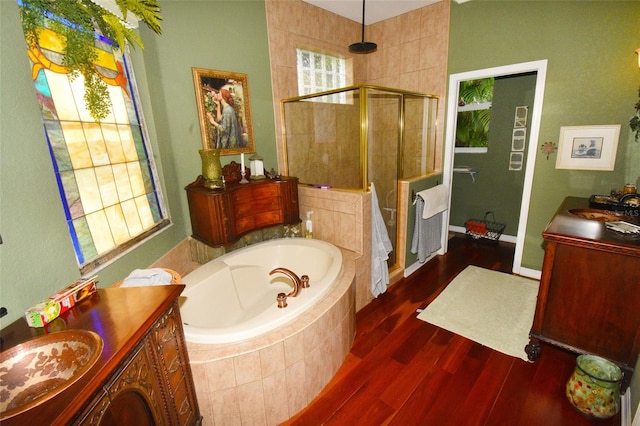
224, 110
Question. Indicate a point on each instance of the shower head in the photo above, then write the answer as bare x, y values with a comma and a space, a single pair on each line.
363, 46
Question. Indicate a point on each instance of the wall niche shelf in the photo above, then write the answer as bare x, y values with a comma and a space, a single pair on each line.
474, 106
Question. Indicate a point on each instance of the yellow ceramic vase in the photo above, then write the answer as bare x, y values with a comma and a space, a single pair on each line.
211, 168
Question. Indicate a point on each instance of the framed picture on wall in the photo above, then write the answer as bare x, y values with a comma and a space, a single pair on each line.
224, 111
588, 147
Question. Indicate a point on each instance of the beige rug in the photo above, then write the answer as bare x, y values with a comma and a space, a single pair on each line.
489, 307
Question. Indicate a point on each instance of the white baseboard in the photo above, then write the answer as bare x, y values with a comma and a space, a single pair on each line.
625, 410
530, 273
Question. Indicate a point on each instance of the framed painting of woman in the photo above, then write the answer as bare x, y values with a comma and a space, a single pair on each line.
224, 111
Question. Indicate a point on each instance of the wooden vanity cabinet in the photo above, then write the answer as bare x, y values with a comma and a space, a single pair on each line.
142, 376
589, 290
221, 216
153, 386
132, 396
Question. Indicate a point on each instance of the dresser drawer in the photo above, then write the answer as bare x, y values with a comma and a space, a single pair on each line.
251, 193
258, 220
253, 207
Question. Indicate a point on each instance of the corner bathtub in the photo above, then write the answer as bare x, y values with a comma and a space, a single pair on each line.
233, 297
255, 363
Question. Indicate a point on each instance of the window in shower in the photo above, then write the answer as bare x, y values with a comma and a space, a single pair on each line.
318, 72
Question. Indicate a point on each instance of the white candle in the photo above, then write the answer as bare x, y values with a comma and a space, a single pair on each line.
242, 163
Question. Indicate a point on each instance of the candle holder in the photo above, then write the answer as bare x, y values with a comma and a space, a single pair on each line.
243, 180
242, 170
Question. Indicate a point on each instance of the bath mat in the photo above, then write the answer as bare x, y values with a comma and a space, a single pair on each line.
489, 307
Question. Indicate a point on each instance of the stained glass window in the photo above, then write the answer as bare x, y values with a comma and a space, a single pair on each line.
104, 170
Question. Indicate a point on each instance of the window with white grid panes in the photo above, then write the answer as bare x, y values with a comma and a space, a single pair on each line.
104, 170
318, 72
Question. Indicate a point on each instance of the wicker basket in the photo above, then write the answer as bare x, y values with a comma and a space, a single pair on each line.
485, 229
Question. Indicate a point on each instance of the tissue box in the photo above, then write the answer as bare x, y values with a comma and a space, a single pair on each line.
45, 312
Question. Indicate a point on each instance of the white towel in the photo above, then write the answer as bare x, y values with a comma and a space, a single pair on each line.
426, 233
436, 200
380, 248
144, 277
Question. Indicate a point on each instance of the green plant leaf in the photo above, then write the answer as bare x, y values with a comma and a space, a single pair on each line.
146, 10
86, 18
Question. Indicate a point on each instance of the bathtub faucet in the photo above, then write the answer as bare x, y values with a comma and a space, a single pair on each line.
297, 282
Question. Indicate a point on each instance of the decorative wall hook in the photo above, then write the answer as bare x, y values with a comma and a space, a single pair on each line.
549, 148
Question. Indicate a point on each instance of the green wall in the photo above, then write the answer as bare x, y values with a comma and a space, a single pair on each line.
592, 78
37, 257
496, 188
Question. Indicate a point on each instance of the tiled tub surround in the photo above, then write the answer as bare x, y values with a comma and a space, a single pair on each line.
268, 379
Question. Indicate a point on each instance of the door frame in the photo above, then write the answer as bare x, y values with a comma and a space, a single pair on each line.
540, 68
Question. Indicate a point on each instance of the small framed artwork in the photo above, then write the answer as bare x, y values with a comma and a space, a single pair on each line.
515, 161
520, 118
519, 139
223, 109
588, 147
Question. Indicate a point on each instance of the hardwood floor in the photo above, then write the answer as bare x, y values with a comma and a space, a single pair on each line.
404, 371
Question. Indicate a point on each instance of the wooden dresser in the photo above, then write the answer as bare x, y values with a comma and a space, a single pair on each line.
221, 216
142, 376
589, 290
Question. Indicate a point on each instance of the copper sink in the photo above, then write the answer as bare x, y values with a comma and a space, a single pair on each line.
39, 369
596, 214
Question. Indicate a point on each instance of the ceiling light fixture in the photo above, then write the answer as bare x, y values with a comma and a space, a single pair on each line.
363, 46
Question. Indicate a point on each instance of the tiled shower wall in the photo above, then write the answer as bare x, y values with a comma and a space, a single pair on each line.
412, 51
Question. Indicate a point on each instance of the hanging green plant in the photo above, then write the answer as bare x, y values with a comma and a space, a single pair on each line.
77, 21
634, 123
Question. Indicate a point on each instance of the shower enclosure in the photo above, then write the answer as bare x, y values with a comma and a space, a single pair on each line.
350, 137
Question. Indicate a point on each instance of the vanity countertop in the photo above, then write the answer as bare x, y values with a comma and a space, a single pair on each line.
121, 316
568, 228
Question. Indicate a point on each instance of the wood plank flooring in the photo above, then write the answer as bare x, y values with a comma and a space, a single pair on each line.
404, 371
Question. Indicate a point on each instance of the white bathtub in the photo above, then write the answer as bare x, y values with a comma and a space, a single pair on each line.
233, 297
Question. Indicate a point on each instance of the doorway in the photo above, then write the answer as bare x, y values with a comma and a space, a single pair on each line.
537, 67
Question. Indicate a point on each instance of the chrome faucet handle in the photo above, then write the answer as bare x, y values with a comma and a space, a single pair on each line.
297, 283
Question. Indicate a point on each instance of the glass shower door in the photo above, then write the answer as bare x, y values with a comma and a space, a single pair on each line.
384, 111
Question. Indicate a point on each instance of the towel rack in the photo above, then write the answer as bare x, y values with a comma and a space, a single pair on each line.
413, 192
467, 170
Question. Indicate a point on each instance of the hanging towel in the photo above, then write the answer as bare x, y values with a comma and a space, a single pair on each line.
426, 232
380, 248
436, 200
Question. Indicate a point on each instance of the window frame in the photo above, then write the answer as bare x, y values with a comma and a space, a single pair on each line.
339, 76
